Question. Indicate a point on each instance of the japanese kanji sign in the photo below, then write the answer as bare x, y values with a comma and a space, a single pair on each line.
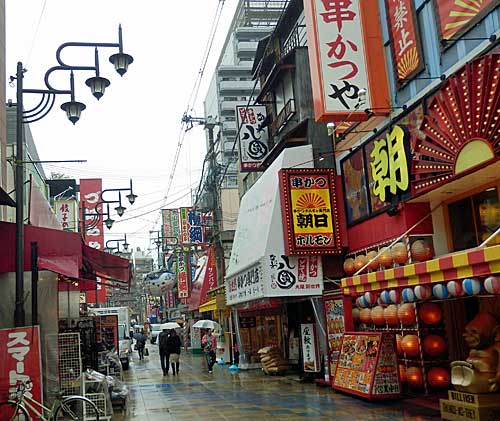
389, 165
170, 226
182, 275
406, 52
310, 357
346, 54
66, 212
253, 136
190, 226
309, 208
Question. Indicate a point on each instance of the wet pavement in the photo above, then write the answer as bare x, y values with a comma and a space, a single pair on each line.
247, 395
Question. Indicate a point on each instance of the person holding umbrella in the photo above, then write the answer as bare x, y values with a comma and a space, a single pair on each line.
163, 348
174, 350
209, 344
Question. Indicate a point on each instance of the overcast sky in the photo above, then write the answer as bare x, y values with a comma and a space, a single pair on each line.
133, 131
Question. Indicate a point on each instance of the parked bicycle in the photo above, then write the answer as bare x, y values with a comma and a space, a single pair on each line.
69, 408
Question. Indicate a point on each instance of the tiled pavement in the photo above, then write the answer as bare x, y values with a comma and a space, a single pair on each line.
247, 395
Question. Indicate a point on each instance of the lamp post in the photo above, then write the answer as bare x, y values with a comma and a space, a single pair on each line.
159, 245
125, 245
73, 111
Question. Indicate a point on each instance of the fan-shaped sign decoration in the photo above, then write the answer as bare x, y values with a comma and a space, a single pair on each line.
461, 125
310, 201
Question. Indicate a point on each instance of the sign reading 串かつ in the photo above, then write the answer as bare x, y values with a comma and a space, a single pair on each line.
253, 136
310, 220
182, 276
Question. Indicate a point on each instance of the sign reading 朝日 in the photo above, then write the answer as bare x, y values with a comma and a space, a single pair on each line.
310, 220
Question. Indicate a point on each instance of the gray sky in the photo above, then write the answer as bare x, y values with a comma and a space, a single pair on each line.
134, 129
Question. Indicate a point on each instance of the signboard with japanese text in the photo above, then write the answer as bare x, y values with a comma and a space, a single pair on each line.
191, 229
21, 362
246, 286
90, 198
170, 226
67, 214
309, 211
182, 276
183, 226
253, 136
310, 355
334, 313
407, 54
457, 17
346, 60
366, 361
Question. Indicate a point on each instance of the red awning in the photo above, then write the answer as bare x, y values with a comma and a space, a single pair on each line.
107, 266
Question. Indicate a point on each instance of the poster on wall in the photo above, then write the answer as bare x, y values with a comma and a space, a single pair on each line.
364, 365
356, 195
253, 136
334, 312
310, 355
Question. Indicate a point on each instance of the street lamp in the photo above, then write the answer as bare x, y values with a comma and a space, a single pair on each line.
159, 244
73, 111
125, 245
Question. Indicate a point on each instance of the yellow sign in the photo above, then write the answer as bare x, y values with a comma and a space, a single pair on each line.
311, 211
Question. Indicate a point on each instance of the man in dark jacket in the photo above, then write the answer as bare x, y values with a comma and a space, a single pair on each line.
174, 350
163, 348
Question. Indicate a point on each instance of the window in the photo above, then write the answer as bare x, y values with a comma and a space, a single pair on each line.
283, 92
474, 219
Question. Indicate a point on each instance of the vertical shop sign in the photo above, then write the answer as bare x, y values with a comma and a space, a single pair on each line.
309, 208
66, 212
310, 355
182, 275
183, 226
406, 49
334, 311
340, 66
170, 226
195, 227
211, 269
253, 136
90, 197
21, 362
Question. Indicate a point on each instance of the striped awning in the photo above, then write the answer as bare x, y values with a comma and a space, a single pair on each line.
460, 265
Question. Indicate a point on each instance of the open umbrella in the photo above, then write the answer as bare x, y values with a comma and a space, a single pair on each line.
170, 325
207, 324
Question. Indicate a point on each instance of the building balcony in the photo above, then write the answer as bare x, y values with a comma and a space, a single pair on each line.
284, 117
229, 126
229, 106
236, 86
246, 48
235, 70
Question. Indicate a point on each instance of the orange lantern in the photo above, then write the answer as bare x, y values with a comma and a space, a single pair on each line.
349, 266
378, 315
439, 377
414, 377
385, 258
434, 345
399, 253
365, 316
359, 262
402, 373
355, 314
374, 264
421, 250
410, 345
399, 348
430, 313
391, 315
406, 314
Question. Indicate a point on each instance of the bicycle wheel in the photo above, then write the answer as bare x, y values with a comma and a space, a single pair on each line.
12, 411
76, 408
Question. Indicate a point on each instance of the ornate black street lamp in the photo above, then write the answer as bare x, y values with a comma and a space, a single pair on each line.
125, 245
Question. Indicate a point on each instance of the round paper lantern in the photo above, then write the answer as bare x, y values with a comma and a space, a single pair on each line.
359, 262
472, 286
492, 284
349, 266
414, 377
440, 291
402, 373
370, 298
434, 345
421, 250
378, 315
391, 315
430, 313
455, 288
399, 253
381, 303
355, 314
399, 348
408, 295
439, 377
365, 316
373, 265
385, 258
406, 314
409, 344
385, 297
361, 302
422, 292
395, 296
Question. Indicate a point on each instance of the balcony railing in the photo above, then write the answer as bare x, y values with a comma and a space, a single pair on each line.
297, 38
284, 117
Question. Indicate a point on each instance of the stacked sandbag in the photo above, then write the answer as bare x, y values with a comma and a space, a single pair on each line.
272, 360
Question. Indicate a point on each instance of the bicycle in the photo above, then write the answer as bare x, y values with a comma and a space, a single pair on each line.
74, 408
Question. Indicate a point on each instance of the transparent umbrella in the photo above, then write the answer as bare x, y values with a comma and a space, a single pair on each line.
170, 325
208, 324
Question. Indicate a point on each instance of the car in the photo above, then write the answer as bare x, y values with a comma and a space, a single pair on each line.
155, 331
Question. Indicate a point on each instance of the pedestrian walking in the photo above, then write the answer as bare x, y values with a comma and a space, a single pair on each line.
209, 344
174, 350
163, 348
140, 343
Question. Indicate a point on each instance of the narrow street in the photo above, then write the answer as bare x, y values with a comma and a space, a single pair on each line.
248, 395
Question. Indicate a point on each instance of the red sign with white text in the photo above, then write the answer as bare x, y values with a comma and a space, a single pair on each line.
90, 198
20, 356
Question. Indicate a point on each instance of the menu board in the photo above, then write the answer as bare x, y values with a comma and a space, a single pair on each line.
334, 311
367, 365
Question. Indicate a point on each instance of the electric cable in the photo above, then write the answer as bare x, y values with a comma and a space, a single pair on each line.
35, 36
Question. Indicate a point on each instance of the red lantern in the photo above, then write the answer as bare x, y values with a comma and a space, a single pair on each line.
399, 253
373, 265
355, 314
421, 250
365, 316
391, 315
385, 259
434, 345
439, 377
359, 262
430, 313
402, 373
410, 345
378, 315
349, 266
414, 377
399, 348
406, 314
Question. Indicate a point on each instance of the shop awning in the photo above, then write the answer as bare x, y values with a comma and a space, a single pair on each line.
208, 306
460, 265
5, 199
258, 267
